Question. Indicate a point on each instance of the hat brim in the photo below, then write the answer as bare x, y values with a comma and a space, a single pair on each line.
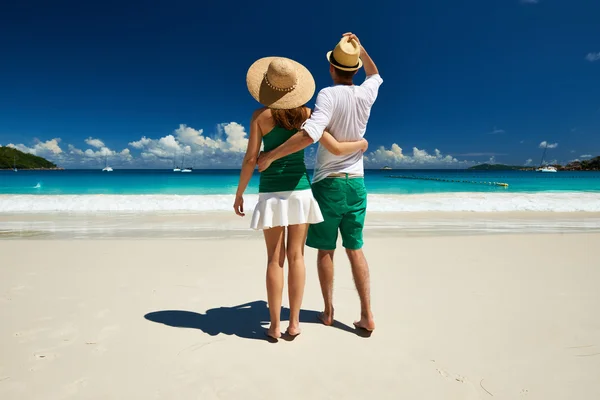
265, 95
360, 64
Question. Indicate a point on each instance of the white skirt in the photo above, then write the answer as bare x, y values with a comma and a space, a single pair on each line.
285, 208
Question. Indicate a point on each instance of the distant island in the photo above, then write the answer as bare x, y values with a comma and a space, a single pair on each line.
592, 164
495, 167
12, 158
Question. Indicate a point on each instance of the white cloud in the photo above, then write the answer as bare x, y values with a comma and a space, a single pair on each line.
75, 157
529, 161
530, 1
549, 145
586, 156
593, 57
496, 131
480, 154
97, 143
43, 149
395, 157
572, 151
224, 149
492, 160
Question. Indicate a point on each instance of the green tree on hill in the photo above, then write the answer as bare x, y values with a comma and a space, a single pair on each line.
9, 156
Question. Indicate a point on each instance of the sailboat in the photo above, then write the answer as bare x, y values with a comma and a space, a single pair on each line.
175, 167
545, 168
15, 163
188, 169
106, 167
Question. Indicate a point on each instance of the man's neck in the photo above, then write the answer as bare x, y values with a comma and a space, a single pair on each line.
347, 82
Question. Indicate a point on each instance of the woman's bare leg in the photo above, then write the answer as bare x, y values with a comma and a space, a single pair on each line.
275, 240
297, 273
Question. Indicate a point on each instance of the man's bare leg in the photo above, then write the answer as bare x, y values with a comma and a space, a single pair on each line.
325, 268
360, 272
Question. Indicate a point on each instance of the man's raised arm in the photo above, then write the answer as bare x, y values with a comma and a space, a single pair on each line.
311, 132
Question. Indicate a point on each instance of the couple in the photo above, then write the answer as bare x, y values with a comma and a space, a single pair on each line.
337, 199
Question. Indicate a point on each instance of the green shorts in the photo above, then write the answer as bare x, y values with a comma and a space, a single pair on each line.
343, 203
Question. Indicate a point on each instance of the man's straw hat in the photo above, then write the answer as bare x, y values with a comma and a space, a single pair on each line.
346, 55
280, 83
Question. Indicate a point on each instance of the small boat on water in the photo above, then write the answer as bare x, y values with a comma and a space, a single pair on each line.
175, 167
15, 164
545, 168
188, 169
106, 167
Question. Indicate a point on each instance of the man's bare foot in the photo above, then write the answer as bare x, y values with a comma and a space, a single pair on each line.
274, 333
326, 318
365, 323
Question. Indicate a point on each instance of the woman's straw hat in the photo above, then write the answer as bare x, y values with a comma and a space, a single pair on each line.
280, 83
346, 55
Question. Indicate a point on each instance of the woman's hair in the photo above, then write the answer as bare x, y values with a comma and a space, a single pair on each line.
290, 119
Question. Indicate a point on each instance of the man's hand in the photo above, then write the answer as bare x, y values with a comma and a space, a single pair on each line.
352, 36
264, 161
365, 145
369, 65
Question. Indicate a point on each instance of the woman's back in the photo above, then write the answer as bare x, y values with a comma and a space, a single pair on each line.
289, 172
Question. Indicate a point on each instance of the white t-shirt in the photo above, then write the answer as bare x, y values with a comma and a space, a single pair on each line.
343, 111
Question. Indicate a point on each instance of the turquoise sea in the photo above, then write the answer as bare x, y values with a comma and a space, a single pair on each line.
210, 182
211, 190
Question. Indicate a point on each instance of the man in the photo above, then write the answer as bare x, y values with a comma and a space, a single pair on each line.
338, 182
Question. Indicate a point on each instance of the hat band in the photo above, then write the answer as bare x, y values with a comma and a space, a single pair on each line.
287, 89
335, 63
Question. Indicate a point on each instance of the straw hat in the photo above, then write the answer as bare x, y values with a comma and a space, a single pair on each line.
280, 83
346, 55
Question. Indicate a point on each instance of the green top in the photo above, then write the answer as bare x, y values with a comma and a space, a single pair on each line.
289, 172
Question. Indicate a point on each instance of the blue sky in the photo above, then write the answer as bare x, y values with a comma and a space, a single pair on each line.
138, 80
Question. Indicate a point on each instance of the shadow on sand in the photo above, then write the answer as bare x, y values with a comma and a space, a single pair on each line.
245, 321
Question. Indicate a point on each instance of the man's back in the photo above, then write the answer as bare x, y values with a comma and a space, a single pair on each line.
343, 111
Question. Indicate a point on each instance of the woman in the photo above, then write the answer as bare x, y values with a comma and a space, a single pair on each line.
283, 86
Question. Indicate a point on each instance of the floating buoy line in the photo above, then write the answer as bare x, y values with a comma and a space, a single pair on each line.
501, 184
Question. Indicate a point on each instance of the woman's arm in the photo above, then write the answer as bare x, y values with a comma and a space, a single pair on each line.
249, 163
342, 148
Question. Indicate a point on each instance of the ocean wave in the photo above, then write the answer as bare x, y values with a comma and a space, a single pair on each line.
449, 202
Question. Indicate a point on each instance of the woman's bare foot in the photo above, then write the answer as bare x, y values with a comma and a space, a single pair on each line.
326, 318
293, 330
366, 323
274, 332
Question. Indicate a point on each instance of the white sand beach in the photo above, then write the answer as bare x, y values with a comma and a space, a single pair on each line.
458, 317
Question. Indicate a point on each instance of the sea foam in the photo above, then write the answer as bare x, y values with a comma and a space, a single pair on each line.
448, 202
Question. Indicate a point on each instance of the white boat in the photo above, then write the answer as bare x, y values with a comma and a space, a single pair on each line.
15, 164
175, 167
188, 169
547, 168
106, 167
